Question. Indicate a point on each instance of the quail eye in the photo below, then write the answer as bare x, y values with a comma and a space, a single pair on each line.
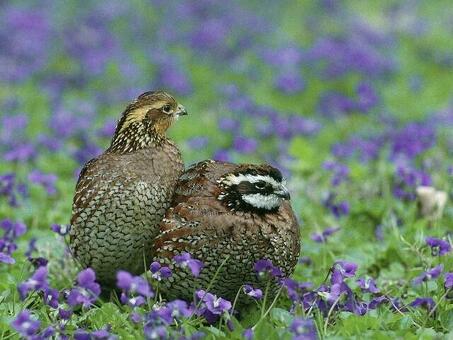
260, 185
166, 108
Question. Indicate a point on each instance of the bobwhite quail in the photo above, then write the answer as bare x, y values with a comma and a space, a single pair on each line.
228, 216
122, 195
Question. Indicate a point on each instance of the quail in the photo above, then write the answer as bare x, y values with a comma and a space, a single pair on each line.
228, 216
121, 196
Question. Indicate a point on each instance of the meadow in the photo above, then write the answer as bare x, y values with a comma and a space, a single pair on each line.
353, 101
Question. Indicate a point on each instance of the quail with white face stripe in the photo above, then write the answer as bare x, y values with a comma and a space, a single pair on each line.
228, 216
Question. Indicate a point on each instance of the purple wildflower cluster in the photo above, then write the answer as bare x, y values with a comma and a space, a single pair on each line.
11, 189
83, 295
11, 231
326, 85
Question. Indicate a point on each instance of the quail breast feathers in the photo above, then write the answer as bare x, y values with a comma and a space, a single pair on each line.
228, 216
121, 196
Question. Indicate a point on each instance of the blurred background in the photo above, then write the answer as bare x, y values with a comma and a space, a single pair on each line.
322, 89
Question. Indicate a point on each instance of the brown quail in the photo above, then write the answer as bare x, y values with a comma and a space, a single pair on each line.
228, 216
122, 195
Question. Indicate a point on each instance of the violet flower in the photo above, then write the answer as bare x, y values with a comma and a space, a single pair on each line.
198, 142
257, 293
212, 307
61, 229
37, 282
25, 324
432, 273
264, 266
5, 258
245, 145
438, 247
248, 334
340, 172
185, 260
367, 285
338, 209
424, 302
133, 284
303, 329
448, 283
172, 311
158, 272
377, 301
342, 269
296, 290
155, 332
87, 290
45, 180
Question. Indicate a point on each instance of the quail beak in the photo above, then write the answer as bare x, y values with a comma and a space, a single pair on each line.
283, 193
180, 111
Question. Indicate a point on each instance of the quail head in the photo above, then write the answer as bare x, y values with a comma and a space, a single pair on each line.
122, 195
228, 216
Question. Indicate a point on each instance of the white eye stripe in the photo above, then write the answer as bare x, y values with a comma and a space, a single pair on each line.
236, 179
261, 201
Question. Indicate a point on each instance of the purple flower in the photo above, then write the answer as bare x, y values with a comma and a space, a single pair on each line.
248, 334
133, 301
155, 332
448, 284
288, 56
366, 97
290, 82
296, 290
257, 293
212, 306
21, 153
222, 155
133, 284
12, 126
432, 273
38, 261
64, 314
158, 272
45, 180
333, 104
229, 124
7, 182
340, 172
198, 143
61, 229
37, 282
264, 266
5, 258
413, 139
342, 269
51, 296
13, 229
338, 209
185, 260
377, 301
303, 329
168, 313
25, 325
424, 302
322, 237
407, 179
86, 291
244, 144
438, 247
367, 285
